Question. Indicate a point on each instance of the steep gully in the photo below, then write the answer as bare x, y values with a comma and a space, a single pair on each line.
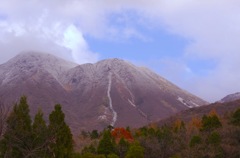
110, 99
114, 113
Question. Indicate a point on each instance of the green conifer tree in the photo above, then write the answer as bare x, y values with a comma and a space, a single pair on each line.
40, 135
122, 147
60, 135
106, 145
17, 141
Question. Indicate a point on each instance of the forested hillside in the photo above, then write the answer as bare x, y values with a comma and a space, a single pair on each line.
212, 135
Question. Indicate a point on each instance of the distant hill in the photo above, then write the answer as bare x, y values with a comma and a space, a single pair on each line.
230, 97
198, 112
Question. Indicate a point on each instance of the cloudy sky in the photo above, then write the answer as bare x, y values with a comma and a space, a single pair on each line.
195, 44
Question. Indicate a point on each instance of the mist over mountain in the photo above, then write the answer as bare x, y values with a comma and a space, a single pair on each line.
93, 96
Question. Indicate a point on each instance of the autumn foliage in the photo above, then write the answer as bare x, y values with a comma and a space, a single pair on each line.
194, 125
119, 133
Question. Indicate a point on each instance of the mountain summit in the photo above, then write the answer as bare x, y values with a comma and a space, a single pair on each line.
109, 92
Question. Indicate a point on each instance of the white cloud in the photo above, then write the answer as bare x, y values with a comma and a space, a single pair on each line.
66, 42
58, 27
73, 39
41, 26
213, 30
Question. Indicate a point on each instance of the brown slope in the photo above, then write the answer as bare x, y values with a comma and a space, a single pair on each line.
198, 112
93, 95
230, 98
138, 95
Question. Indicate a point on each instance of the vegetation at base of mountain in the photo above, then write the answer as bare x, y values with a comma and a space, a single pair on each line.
23, 138
212, 136
4, 112
62, 144
106, 144
135, 151
236, 118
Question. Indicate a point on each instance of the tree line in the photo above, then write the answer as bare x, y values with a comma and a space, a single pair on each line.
211, 136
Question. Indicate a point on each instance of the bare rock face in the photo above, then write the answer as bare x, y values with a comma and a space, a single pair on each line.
93, 96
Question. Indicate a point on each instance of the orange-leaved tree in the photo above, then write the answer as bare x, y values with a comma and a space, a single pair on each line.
119, 133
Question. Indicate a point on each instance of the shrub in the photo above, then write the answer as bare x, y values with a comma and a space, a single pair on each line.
236, 117
195, 141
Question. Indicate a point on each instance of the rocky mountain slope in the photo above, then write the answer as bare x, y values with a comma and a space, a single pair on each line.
230, 97
93, 96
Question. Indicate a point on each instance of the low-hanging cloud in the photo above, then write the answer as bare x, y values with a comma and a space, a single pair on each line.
39, 26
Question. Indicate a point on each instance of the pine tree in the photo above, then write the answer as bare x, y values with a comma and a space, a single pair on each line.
17, 141
122, 147
106, 145
62, 144
4, 111
40, 135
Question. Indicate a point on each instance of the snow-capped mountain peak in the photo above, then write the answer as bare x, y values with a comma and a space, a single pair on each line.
28, 63
109, 92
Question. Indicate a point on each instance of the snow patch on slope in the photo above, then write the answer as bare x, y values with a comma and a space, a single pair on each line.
131, 103
143, 114
110, 100
189, 104
102, 117
196, 105
184, 102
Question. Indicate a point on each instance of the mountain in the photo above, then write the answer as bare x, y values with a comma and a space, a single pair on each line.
93, 96
230, 97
